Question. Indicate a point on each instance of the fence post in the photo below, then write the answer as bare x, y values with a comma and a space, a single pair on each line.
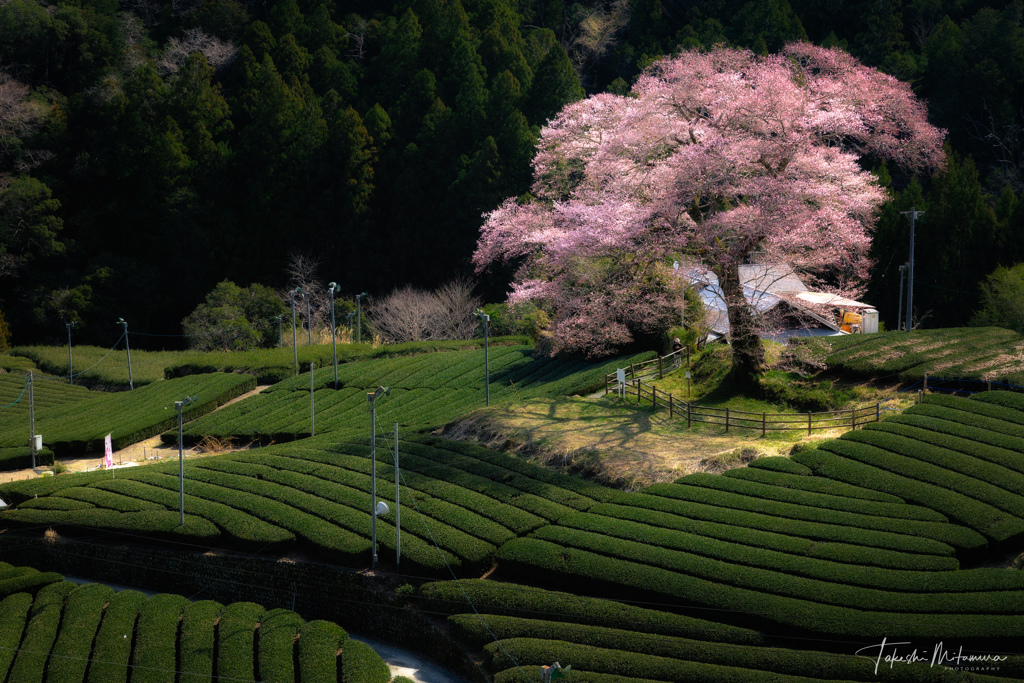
606, 384
925, 383
808, 424
654, 396
988, 385
661, 375
632, 372
670, 406
920, 395
689, 407
878, 412
764, 424
853, 418
638, 398
726, 420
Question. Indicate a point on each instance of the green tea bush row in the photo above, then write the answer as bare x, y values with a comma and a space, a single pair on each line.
14, 492
159, 523
618, 643
20, 457
26, 580
155, 648
245, 530
531, 558
360, 664
101, 366
105, 499
112, 651
825, 540
198, 639
509, 599
277, 633
40, 632
780, 582
992, 410
912, 581
825, 501
1008, 399
73, 647
977, 474
801, 482
940, 490
55, 503
236, 641
905, 427
779, 464
318, 644
939, 531
1001, 427
943, 428
352, 511
13, 617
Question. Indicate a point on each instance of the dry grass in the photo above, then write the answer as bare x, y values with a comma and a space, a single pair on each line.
620, 445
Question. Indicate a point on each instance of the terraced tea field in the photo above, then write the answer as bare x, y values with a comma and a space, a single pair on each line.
93, 634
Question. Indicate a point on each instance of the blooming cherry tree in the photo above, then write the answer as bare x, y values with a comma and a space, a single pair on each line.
722, 155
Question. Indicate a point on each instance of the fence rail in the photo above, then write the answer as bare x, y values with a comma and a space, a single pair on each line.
765, 422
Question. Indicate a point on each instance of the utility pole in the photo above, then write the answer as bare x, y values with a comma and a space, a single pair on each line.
31, 420
309, 323
312, 402
333, 287
899, 316
398, 509
913, 213
71, 373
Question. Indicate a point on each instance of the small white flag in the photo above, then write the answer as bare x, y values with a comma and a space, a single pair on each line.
108, 452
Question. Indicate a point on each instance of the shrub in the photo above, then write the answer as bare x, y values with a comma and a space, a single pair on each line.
73, 648
360, 664
40, 632
13, 617
318, 643
780, 464
278, 630
799, 481
155, 646
198, 639
112, 651
235, 318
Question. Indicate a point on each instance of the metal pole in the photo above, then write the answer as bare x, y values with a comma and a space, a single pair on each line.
181, 464
31, 420
71, 373
280, 338
913, 213
373, 479
312, 403
128, 348
487, 366
398, 509
351, 314
334, 336
295, 343
899, 316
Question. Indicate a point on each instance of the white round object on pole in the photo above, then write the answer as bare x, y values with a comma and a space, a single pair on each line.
382, 509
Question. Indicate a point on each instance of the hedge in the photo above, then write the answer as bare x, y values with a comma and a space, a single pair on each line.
493, 597
112, 650
939, 531
798, 565
780, 464
155, 647
935, 409
20, 457
40, 632
360, 664
15, 492
55, 503
73, 648
944, 427
988, 595
158, 523
318, 643
621, 643
198, 639
277, 633
247, 531
824, 501
994, 454
236, 641
991, 410
106, 499
28, 580
800, 482
821, 539
931, 487
536, 559
1009, 399
13, 619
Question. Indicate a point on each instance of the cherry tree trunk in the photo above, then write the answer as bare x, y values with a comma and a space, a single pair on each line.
747, 352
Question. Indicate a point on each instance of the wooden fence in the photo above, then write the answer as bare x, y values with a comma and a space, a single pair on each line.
659, 367
765, 422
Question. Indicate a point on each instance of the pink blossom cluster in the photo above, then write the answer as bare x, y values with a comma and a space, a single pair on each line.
721, 155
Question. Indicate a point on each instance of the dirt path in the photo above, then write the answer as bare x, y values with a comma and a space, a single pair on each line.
142, 452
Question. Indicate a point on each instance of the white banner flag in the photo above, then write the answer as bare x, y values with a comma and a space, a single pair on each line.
108, 451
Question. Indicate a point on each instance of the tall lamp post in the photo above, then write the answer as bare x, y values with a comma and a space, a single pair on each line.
333, 287
128, 348
181, 458
485, 319
359, 316
372, 398
71, 372
914, 214
309, 321
278, 318
295, 342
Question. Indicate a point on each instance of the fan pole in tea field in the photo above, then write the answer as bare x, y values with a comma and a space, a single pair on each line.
913, 213
31, 421
128, 348
179, 405
372, 398
359, 316
484, 318
333, 287
71, 374
295, 342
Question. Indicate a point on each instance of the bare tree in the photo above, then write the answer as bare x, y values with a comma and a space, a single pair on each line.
304, 272
217, 52
18, 115
409, 314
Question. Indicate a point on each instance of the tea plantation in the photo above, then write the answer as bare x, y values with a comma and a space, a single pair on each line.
91, 633
781, 571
